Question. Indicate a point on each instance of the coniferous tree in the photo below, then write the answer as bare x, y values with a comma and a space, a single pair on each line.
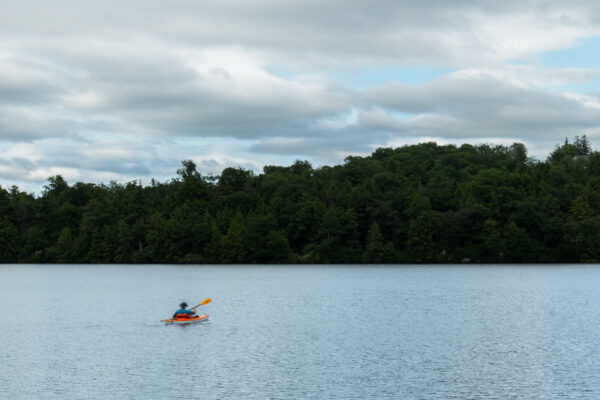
375, 249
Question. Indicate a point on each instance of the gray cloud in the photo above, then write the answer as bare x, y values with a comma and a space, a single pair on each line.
472, 107
107, 90
393, 30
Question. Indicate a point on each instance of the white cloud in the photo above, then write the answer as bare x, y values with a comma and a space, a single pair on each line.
125, 90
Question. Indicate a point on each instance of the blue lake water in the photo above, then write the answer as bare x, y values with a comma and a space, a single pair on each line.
301, 332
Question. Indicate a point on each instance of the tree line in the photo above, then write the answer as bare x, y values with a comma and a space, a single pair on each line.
424, 203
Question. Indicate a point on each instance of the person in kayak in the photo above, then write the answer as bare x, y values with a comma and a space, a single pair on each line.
183, 312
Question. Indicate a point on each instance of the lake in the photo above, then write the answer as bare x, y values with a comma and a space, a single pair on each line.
300, 332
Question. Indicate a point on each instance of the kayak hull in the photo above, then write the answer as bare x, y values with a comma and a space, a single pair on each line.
185, 321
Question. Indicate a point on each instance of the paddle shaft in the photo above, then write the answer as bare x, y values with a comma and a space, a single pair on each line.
205, 301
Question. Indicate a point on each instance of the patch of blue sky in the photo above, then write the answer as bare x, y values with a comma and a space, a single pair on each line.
401, 116
590, 87
363, 78
586, 54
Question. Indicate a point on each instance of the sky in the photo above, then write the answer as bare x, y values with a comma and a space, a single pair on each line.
101, 91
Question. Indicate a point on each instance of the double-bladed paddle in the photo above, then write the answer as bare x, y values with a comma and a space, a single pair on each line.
205, 301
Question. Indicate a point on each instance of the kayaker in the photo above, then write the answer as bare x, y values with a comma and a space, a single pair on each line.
183, 312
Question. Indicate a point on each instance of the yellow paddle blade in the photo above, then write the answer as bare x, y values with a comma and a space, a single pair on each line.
206, 301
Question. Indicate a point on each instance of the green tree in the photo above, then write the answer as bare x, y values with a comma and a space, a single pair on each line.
518, 244
64, 245
9, 243
420, 247
375, 248
231, 247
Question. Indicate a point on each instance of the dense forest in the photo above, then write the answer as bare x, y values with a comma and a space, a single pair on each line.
423, 203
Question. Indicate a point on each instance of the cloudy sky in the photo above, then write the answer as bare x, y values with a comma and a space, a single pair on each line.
122, 90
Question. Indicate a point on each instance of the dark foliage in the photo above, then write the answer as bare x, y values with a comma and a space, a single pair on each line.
415, 204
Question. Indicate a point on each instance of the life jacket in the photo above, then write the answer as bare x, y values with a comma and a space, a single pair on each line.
182, 316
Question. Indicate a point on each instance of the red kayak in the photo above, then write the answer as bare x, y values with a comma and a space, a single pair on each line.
186, 319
